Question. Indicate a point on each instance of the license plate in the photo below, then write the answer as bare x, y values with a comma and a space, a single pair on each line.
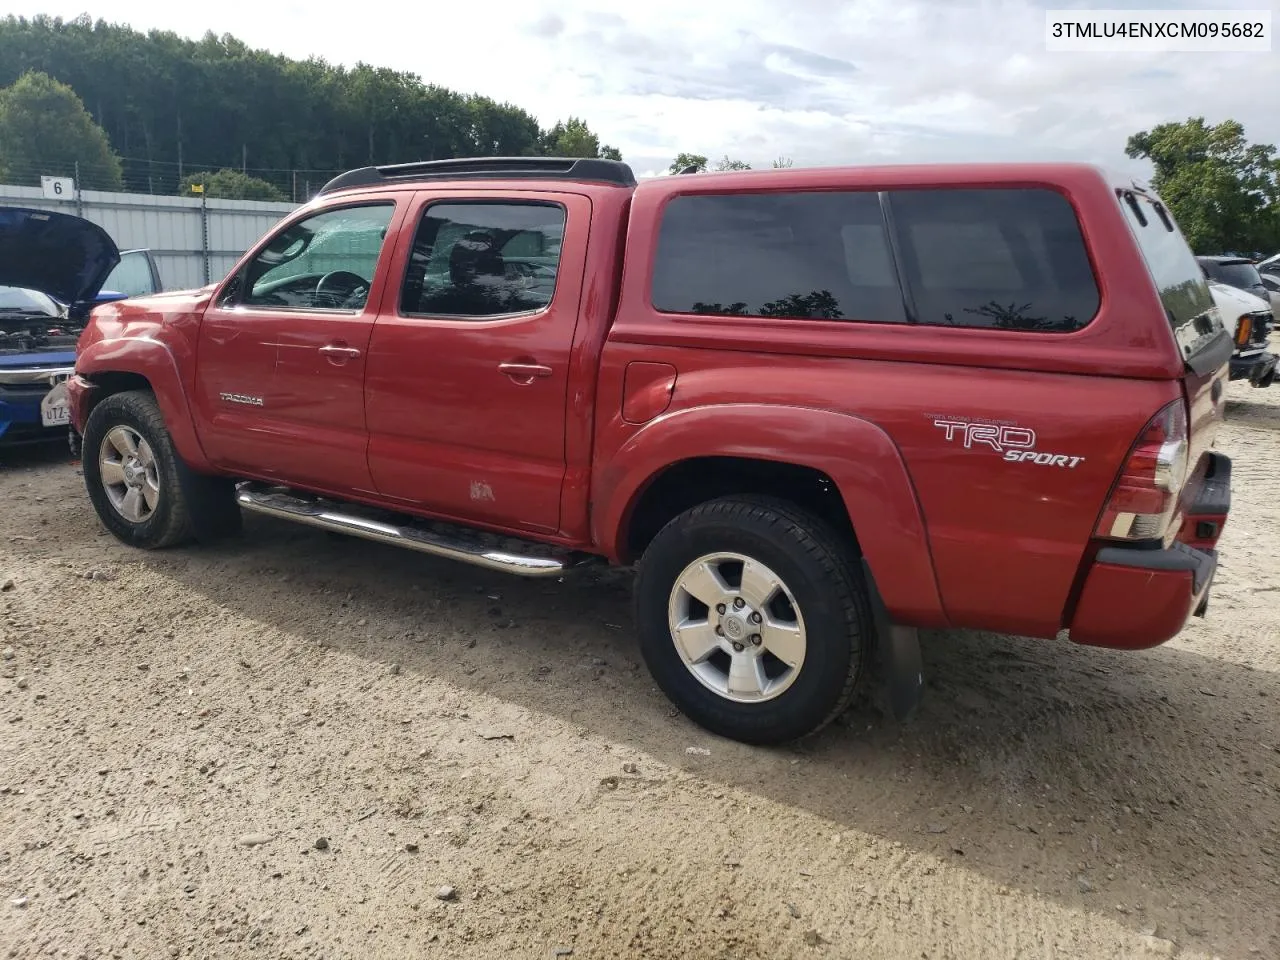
55, 409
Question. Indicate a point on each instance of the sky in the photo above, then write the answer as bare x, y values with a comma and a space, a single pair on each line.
820, 81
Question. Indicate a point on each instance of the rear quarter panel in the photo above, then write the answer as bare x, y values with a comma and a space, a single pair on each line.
997, 543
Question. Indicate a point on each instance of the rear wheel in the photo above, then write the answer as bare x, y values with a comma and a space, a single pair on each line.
753, 618
142, 491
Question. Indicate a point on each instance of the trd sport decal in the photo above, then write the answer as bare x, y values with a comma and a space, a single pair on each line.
1017, 444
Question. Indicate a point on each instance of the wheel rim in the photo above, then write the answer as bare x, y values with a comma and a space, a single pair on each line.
737, 627
130, 474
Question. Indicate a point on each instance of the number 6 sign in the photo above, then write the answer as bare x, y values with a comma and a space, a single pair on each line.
58, 188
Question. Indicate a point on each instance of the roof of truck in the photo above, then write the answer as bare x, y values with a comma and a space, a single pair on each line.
615, 173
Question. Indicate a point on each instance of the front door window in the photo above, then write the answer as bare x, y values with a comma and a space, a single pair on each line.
325, 262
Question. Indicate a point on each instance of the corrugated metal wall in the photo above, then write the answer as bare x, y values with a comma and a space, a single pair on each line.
173, 228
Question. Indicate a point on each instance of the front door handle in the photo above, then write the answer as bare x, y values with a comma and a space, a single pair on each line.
523, 372
337, 352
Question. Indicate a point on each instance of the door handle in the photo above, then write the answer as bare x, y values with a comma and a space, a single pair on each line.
333, 350
524, 372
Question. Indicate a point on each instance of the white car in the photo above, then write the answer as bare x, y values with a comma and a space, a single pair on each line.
1249, 320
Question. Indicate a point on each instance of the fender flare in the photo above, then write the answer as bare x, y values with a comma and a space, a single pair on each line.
860, 458
153, 361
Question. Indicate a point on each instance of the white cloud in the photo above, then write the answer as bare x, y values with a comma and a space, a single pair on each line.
821, 81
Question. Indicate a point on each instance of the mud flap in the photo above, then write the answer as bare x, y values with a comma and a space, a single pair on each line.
215, 515
897, 655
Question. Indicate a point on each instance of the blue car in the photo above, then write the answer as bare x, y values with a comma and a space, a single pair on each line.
54, 267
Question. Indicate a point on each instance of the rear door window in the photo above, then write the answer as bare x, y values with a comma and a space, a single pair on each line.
480, 260
1009, 259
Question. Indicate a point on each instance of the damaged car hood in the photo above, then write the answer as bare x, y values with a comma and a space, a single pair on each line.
64, 256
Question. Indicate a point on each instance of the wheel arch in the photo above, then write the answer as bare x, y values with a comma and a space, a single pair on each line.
111, 366
845, 469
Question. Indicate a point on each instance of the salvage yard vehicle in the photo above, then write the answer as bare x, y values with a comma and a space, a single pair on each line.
1250, 318
53, 268
818, 409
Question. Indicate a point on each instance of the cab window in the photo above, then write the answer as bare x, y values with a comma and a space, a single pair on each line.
323, 262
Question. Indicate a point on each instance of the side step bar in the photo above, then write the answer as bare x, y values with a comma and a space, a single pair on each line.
442, 540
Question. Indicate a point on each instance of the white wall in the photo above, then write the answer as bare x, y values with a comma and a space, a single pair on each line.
171, 227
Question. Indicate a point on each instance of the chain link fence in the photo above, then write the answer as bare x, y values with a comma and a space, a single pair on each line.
163, 178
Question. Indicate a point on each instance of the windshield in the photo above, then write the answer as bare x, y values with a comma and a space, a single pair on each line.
22, 300
1241, 274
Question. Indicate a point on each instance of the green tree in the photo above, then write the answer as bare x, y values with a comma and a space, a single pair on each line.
1223, 190
573, 138
45, 131
228, 184
685, 160
170, 104
726, 164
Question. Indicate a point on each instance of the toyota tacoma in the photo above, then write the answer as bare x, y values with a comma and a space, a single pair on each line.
817, 409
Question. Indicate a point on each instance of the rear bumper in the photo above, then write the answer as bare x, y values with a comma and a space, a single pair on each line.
1258, 368
1134, 598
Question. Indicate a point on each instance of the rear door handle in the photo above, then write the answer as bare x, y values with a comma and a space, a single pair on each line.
524, 372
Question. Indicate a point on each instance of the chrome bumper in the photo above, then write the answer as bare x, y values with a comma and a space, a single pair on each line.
20, 376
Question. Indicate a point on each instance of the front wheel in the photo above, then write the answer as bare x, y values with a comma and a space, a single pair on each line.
753, 618
142, 491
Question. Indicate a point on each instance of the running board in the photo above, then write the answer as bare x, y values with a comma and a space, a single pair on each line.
493, 551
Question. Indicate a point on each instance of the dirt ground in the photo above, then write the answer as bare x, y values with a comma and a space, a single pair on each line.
286, 746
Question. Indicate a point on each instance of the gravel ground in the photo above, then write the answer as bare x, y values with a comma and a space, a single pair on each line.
299, 746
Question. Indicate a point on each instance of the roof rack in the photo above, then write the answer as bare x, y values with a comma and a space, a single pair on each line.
492, 168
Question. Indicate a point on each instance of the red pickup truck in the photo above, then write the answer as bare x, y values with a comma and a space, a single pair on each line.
818, 409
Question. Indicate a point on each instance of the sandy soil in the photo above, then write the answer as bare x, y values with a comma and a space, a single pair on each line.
286, 746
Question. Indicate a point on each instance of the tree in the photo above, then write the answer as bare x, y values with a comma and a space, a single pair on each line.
1223, 191
573, 138
228, 184
170, 105
782, 163
685, 160
45, 131
726, 164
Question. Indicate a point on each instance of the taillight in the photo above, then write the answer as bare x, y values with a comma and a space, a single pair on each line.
1244, 330
1145, 496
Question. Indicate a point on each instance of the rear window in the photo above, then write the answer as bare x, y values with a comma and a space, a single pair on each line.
995, 258
1183, 289
1241, 274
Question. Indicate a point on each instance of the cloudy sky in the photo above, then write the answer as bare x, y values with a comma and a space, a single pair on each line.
821, 81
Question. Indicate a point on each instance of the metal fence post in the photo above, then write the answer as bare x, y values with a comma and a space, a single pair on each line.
79, 200
204, 233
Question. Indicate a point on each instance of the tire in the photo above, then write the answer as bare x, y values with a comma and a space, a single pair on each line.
170, 504
828, 607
